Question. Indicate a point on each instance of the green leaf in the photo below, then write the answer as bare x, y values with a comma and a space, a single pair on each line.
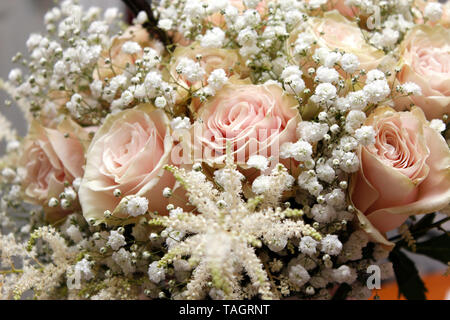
409, 282
437, 248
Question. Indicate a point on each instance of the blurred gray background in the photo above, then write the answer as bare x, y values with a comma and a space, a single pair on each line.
19, 18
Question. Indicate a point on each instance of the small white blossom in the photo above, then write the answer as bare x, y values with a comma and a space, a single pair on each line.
312, 131
213, 38
217, 79
160, 102
433, 11
137, 206
131, 47
324, 74
261, 184
365, 135
155, 273
438, 125
116, 240
83, 268
74, 233
259, 162
190, 69
298, 275
412, 89
308, 245
141, 18
349, 62
331, 245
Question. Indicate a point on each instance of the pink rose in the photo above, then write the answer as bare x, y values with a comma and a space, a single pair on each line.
52, 157
251, 119
426, 62
128, 153
119, 59
334, 31
405, 172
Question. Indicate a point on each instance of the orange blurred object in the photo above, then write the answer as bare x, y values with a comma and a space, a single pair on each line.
438, 287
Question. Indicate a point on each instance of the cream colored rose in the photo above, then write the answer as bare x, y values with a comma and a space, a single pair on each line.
249, 119
425, 54
211, 58
334, 31
51, 158
128, 153
120, 59
405, 172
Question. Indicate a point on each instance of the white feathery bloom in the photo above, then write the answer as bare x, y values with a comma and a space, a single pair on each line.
116, 240
137, 206
331, 245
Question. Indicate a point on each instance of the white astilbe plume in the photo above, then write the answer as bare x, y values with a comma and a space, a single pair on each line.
41, 278
224, 236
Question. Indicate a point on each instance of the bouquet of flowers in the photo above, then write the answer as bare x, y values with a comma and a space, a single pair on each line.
227, 149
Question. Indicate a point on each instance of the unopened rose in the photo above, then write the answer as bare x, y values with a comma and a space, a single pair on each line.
118, 58
52, 157
405, 172
425, 55
128, 153
249, 119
